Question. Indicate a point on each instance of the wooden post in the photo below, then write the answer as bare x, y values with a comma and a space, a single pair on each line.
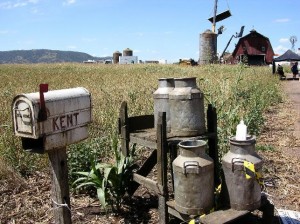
268, 210
60, 186
213, 141
124, 129
162, 149
144, 170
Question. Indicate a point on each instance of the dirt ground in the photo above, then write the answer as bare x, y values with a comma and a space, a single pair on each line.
28, 200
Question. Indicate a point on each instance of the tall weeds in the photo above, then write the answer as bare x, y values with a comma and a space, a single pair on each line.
236, 91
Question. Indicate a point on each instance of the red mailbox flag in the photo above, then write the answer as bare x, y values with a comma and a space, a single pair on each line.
43, 112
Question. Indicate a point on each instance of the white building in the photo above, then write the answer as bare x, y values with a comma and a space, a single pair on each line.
128, 60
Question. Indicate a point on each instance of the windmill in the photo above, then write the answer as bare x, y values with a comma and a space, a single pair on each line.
293, 40
208, 39
218, 17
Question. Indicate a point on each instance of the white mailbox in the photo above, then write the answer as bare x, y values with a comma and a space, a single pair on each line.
51, 120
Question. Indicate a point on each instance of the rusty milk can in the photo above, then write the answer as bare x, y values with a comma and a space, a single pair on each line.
186, 108
243, 191
161, 99
193, 173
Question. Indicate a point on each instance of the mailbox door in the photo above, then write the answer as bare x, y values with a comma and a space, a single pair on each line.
23, 116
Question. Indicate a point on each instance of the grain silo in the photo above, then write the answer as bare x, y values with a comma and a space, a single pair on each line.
208, 47
116, 56
127, 52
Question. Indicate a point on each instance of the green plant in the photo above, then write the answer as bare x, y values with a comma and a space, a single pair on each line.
265, 148
82, 155
111, 181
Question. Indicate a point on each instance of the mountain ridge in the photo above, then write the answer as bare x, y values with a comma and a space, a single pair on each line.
45, 56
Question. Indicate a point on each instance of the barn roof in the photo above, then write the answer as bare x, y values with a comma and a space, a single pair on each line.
252, 33
288, 56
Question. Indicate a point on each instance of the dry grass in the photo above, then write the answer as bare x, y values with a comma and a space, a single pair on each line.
224, 86
282, 164
32, 204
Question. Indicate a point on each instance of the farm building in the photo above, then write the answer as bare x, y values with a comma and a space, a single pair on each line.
253, 49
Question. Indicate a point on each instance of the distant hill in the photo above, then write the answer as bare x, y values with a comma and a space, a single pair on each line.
45, 56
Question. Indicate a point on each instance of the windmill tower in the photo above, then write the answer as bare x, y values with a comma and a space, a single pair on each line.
293, 40
208, 39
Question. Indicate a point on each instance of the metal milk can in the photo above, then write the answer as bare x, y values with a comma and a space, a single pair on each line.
161, 99
186, 108
193, 175
243, 188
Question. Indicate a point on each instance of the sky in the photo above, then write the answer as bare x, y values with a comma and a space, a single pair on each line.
153, 29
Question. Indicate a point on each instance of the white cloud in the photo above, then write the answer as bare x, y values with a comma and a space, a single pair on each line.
280, 49
284, 20
6, 5
69, 2
17, 4
36, 11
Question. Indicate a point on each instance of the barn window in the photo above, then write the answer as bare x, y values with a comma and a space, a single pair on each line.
263, 48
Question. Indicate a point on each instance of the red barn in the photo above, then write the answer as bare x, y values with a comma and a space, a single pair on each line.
253, 49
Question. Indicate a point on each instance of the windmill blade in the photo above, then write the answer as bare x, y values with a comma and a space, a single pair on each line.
241, 32
293, 39
221, 16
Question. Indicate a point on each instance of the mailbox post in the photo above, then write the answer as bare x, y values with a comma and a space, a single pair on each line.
60, 186
47, 122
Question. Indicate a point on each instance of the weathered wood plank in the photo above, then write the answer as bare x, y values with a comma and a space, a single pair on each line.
213, 141
60, 186
147, 182
138, 139
148, 164
217, 217
123, 129
162, 150
144, 170
141, 122
174, 212
223, 216
268, 210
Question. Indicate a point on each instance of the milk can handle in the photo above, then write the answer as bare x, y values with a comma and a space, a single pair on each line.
235, 161
187, 164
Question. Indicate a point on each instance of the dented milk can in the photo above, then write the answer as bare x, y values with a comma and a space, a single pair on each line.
242, 168
186, 108
193, 178
161, 99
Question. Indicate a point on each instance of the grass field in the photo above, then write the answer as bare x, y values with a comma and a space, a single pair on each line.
236, 91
